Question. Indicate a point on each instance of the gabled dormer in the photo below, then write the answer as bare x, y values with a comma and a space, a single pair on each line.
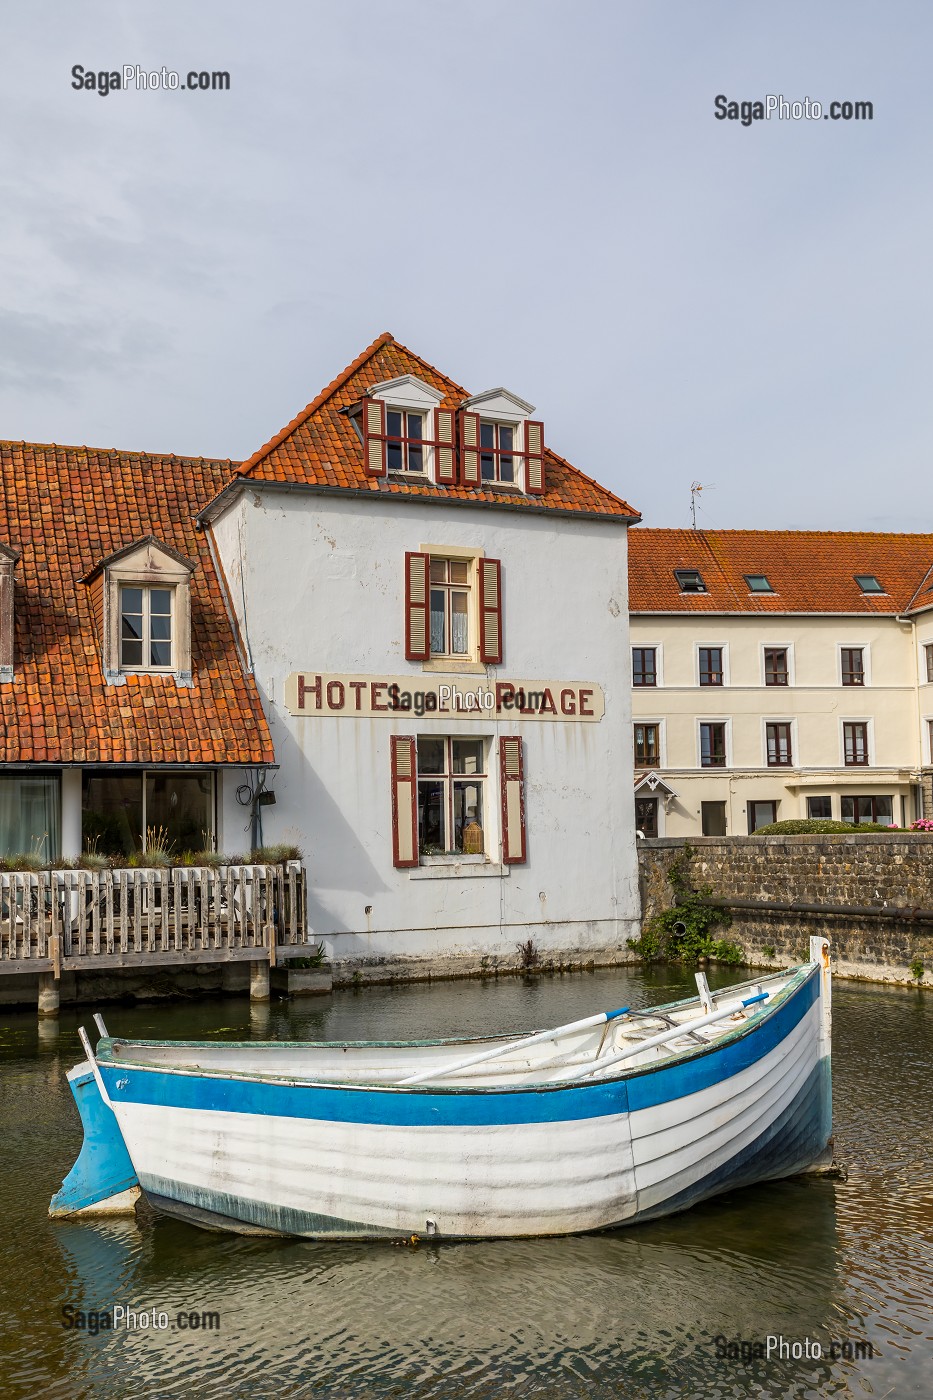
405, 432
501, 445
9, 558
141, 598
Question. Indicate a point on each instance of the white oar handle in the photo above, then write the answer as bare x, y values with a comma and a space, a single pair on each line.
94, 1066
428, 1076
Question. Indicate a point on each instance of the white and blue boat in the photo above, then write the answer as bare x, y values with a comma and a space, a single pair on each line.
618, 1118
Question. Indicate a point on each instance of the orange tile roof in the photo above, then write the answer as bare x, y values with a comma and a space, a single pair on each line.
321, 448
65, 509
811, 571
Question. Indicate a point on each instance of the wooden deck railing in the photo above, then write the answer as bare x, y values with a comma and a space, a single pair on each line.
55, 919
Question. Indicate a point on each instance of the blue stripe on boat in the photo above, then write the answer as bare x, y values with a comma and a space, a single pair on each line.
466, 1107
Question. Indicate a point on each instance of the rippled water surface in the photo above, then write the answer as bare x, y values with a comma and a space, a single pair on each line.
634, 1313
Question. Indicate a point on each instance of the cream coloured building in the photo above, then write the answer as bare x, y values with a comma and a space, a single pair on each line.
780, 674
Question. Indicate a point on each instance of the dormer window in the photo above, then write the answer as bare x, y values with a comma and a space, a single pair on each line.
404, 429
497, 452
500, 443
690, 580
141, 597
146, 628
405, 451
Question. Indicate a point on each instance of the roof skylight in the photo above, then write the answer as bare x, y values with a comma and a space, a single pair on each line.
690, 580
869, 584
758, 583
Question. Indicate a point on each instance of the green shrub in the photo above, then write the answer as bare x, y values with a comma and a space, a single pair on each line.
803, 826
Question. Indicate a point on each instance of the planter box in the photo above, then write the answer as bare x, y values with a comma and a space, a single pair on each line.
303, 981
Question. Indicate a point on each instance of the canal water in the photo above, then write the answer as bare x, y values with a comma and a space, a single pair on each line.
636, 1313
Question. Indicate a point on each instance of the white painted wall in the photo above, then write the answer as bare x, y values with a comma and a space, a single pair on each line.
318, 584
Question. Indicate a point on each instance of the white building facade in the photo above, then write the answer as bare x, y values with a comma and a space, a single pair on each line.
434, 608
780, 675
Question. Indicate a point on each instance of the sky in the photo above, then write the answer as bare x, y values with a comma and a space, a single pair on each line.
530, 193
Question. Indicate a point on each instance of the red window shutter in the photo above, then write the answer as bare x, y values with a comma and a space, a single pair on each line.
512, 784
490, 612
446, 472
534, 457
374, 437
417, 631
469, 448
404, 801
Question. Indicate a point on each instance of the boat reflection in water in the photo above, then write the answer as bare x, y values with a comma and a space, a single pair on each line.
640, 1307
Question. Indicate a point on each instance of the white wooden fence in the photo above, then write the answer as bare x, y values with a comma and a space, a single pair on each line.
52, 919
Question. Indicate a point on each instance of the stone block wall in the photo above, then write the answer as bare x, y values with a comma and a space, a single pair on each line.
886, 876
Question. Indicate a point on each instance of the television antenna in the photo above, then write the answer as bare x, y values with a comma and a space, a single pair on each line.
695, 488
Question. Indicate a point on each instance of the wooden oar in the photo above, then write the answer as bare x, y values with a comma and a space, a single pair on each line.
515, 1045
664, 1036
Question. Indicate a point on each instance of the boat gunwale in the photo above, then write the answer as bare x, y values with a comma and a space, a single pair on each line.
797, 977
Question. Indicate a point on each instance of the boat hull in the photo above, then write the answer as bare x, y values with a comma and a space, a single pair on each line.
350, 1162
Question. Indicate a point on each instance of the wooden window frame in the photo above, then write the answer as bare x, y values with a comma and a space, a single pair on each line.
644, 761
714, 724
449, 780
497, 452
851, 725
848, 675
705, 675
447, 587
773, 677
645, 672
779, 734
405, 441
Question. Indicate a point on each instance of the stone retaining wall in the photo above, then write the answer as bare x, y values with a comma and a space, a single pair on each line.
882, 871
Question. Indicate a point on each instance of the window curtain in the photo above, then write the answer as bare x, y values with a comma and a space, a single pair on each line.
30, 815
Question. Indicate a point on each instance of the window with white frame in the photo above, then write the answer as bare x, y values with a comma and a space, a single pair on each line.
451, 795
146, 630
451, 585
928, 661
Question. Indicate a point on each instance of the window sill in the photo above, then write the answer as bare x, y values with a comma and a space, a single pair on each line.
447, 665
454, 868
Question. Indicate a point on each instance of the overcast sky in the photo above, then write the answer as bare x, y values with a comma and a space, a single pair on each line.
531, 193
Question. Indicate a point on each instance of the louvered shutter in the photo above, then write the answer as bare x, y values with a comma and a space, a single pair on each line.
534, 458
404, 801
512, 784
469, 448
490, 612
417, 632
446, 472
374, 437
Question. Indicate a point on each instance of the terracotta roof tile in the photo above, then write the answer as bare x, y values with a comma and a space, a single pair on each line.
320, 447
67, 508
810, 571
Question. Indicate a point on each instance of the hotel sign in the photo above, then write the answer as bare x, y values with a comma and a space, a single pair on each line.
388, 697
